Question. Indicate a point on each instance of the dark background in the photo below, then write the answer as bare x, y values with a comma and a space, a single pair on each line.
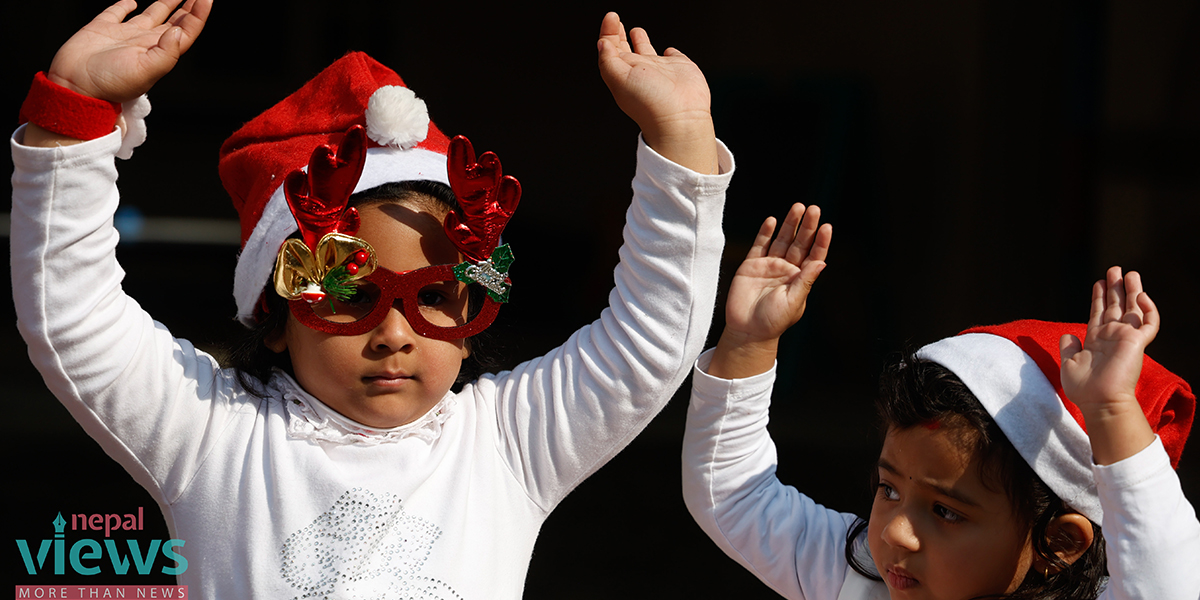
981, 160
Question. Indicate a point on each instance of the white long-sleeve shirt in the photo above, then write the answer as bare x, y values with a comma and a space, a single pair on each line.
796, 546
285, 498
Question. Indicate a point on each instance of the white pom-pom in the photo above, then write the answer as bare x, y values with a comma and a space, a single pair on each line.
134, 113
397, 117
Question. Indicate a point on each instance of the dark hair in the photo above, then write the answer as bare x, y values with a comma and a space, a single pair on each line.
914, 391
254, 362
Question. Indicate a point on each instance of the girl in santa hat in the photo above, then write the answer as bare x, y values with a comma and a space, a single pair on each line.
987, 485
335, 460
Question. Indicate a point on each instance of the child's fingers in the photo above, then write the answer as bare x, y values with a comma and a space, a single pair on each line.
116, 13
787, 231
820, 246
799, 250
640, 41
1133, 287
1097, 311
1114, 304
762, 239
191, 22
156, 14
1150, 316
612, 30
191, 8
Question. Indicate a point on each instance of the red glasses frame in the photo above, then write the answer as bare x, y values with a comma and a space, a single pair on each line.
405, 288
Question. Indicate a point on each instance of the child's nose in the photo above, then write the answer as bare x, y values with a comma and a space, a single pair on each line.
394, 333
899, 533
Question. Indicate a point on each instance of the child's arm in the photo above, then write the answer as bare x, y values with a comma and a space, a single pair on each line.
1100, 373
123, 377
563, 415
667, 96
781, 536
1150, 530
117, 60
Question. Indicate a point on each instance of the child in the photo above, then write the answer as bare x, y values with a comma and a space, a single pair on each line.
987, 486
334, 461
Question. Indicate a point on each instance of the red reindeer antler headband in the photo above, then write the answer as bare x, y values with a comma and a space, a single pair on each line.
487, 198
319, 198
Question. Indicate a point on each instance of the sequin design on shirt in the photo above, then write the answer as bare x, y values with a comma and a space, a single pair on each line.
365, 546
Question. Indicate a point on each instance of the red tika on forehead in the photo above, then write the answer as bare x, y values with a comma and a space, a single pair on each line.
486, 200
319, 197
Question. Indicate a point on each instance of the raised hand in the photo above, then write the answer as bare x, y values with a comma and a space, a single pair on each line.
1100, 373
769, 292
118, 60
666, 95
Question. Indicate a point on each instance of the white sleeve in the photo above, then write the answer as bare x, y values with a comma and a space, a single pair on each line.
563, 415
1151, 534
787, 540
133, 387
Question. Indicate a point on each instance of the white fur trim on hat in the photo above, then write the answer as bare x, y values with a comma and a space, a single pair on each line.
1024, 404
396, 117
257, 260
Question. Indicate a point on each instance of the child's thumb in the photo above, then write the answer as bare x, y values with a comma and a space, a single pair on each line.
1068, 346
808, 275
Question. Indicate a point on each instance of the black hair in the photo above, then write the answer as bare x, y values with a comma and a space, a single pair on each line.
914, 391
254, 362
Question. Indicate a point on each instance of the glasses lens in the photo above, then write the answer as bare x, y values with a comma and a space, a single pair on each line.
356, 306
444, 303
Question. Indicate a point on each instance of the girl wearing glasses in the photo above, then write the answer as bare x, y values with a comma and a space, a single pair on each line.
335, 460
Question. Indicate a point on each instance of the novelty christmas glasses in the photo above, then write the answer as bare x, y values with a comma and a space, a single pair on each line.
333, 281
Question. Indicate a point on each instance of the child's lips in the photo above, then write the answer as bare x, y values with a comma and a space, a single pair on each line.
899, 579
387, 379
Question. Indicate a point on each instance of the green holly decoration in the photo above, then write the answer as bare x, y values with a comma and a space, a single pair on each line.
502, 258
336, 285
501, 298
499, 262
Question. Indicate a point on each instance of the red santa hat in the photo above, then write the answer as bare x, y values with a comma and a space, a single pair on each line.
1013, 370
356, 90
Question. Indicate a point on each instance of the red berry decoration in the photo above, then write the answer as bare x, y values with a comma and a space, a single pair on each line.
361, 257
352, 268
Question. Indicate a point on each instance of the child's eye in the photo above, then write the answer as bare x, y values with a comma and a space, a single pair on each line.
887, 492
946, 514
430, 297
358, 296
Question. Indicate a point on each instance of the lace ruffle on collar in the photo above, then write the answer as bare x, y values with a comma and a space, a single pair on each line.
311, 419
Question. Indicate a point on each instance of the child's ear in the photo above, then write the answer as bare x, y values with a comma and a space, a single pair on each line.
1069, 536
276, 340
466, 349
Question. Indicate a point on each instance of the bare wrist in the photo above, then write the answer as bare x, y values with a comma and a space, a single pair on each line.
63, 81
1116, 431
738, 357
689, 142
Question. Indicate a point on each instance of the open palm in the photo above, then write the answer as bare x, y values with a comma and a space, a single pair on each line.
1102, 370
769, 292
652, 89
118, 60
